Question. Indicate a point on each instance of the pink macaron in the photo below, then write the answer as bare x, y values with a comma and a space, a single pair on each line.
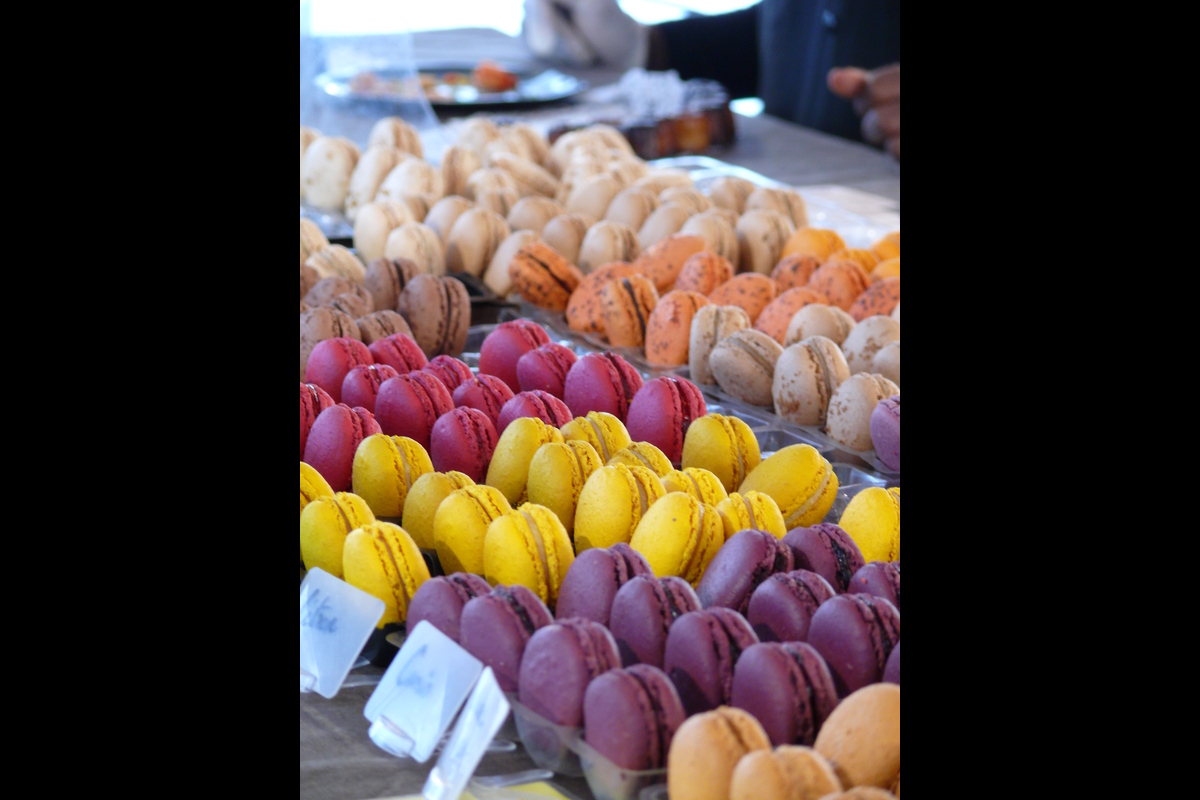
333, 439
452, 371
361, 385
313, 400
331, 359
546, 368
463, 440
400, 352
504, 346
661, 412
488, 393
543, 405
601, 382
409, 405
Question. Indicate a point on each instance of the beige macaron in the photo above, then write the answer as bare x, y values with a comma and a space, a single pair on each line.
819, 319
664, 221
531, 178
848, 421
706, 750
338, 260
380, 325
806, 376
419, 243
321, 323
375, 222
591, 197
789, 772
711, 324
373, 167
689, 197
495, 275
328, 164
501, 201
785, 201
475, 134
307, 136
473, 240
731, 192
605, 242
527, 141
743, 365
489, 179
660, 178
565, 234
626, 169
761, 234
458, 164
717, 231
445, 213
887, 362
312, 238
532, 213
866, 339
396, 132
413, 177
631, 206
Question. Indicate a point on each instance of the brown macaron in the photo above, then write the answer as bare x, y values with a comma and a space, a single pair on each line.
840, 281
627, 304
386, 278
663, 261
438, 310
670, 326
750, 290
774, 319
338, 260
326, 289
703, 272
543, 277
380, 325
321, 323
795, 270
879, 298
584, 312
308, 279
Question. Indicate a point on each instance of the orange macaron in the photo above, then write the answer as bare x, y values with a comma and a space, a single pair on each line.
543, 277
663, 260
627, 304
879, 298
670, 326
750, 291
840, 281
703, 272
774, 319
795, 270
818, 242
584, 313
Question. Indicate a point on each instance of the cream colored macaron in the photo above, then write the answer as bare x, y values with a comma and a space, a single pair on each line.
374, 223
328, 164
418, 243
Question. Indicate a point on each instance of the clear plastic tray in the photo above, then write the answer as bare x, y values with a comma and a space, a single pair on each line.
549, 745
607, 781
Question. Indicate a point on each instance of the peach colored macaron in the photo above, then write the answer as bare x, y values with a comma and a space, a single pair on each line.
670, 327
774, 319
703, 272
584, 313
864, 258
751, 291
888, 268
819, 242
663, 260
840, 282
878, 298
543, 277
888, 246
795, 270
626, 304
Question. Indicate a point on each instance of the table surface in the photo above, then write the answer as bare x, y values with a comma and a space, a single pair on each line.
337, 758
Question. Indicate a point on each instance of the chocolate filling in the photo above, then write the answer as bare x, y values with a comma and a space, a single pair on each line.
660, 730
808, 722
565, 286
637, 307
518, 609
842, 556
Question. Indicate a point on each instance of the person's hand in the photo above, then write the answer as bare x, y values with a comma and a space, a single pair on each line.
584, 32
876, 98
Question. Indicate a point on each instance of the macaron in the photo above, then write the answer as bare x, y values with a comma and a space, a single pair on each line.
788, 688
536, 403
749, 291
751, 510
443, 214
532, 213
820, 243
885, 431
590, 197
717, 227
384, 469
328, 164
495, 627
878, 578
631, 206
630, 716
679, 535
319, 324
886, 268
887, 246
782, 606
787, 202
460, 525
324, 525
626, 305
463, 440
594, 578
762, 233
703, 272
774, 319
505, 344
794, 772
334, 438
862, 256
559, 662
722, 444
794, 270
701, 654
603, 431
543, 277
557, 474
584, 312
369, 173
361, 385
707, 748
663, 260
601, 382
421, 504
806, 376
848, 421
438, 310
666, 220
418, 243
866, 339
879, 298
840, 281
891, 671
382, 559
730, 191
855, 634
374, 225
743, 365
399, 351
745, 560
313, 400
699, 483
711, 324
872, 520
799, 479
612, 503
449, 370
410, 404
545, 368
828, 550
565, 233
662, 411
326, 289
861, 737
642, 612
669, 327
312, 486
381, 324
887, 362
398, 133
486, 393
515, 448
441, 599
819, 319
337, 260
642, 454
606, 242
528, 546
495, 274
312, 238
331, 359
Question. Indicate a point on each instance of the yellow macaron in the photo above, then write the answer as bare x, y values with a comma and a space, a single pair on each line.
800, 480
872, 518
601, 430
509, 467
312, 485
642, 454
426, 494
557, 474
324, 525
612, 503
679, 535
700, 483
528, 546
460, 525
382, 559
724, 445
384, 470
751, 510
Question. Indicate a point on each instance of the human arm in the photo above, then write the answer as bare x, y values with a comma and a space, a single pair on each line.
875, 95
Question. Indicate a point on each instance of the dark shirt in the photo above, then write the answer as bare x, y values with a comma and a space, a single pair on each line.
782, 50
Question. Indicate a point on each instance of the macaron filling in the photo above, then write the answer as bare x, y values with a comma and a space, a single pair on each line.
810, 502
540, 544
840, 553
399, 586
527, 623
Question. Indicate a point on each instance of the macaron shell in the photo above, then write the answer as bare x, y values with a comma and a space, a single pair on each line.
707, 748
788, 688
782, 606
872, 518
819, 319
584, 312
509, 467
559, 661
595, 577
528, 546
324, 525
751, 510
385, 468
661, 412
313, 400
422, 501
662, 260
381, 559
669, 534
848, 421
828, 550
878, 578
312, 485
399, 351
801, 482
794, 270
807, 375
774, 318
745, 560
361, 385
626, 304
557, 474
861, 738
642, 454
703, 272
699, 483
840, 281
495, 627
463, 440
790, 771
545, 368
866, 339
331, 359
701, 655
440, 601
380, 325
885, 431
724, 445
855, 634
612, 504
543, 277
504, 346
601, 382
631, 715
536, 404
484, 392
743, 365
603, 431
449, 370
333, 440
749, 291
410, 404
879, 298
460, 525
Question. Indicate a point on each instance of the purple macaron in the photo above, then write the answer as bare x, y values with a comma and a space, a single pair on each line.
782, 606
630, 716
885, 431
534, 403
495, 628
559, 662
593, 579
746, 559
546, 368
826, 549
891, 670
880, 578
855, 634
441, 599
787, 687
702, 650
642, 613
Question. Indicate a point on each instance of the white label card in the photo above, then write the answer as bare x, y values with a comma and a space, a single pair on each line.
478, 723
336, 620
422, 690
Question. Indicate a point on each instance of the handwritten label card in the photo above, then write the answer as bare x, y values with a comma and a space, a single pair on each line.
478, 723
336, 620
420, 693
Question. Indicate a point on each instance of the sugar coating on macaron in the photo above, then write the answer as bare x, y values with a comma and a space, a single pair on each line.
504, 346
661, 413
410, 404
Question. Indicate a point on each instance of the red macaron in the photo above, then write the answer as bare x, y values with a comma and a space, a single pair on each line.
400, 352
333, 439
546, 368
361, 385
331, 359
543, 405
504, 346
409, 405
661, 412
450, 370
463, 440
488, 393
601, 382
313, 400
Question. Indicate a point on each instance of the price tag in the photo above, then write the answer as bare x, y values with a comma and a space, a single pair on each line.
478, 723
422, 690
336, 620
